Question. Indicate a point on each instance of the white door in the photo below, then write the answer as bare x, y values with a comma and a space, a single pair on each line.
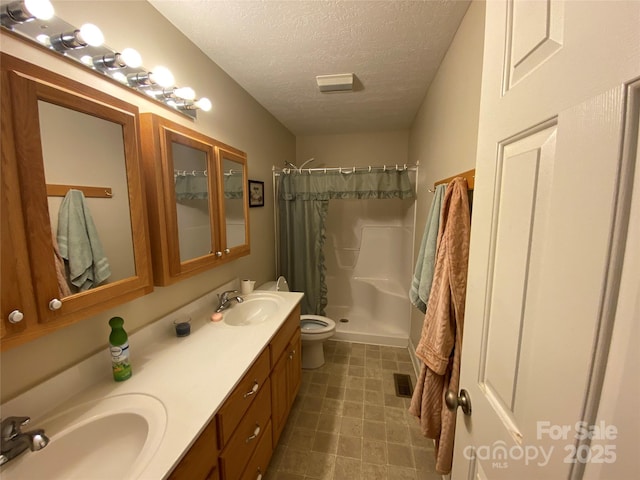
556, 151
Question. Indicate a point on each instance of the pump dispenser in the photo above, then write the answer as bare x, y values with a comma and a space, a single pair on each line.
119, 347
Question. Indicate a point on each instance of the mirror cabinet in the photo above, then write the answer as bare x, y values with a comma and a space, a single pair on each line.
196, 197
74, 227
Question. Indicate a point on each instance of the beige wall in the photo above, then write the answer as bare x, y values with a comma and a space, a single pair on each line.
236, 119
353, 149
444, 133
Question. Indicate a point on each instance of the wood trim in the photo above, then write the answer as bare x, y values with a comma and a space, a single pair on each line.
54, 190
470, 176
26, 84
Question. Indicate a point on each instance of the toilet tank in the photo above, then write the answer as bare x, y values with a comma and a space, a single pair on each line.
279, 285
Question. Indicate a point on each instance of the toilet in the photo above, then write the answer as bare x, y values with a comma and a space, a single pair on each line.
315, 329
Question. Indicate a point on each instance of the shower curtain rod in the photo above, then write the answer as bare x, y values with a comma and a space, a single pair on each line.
399, 167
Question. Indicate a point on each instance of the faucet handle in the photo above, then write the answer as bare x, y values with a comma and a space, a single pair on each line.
11, 426
225, 295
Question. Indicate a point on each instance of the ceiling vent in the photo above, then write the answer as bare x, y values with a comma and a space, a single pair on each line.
335, 83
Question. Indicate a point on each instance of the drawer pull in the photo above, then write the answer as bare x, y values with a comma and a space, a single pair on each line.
255, 433
259, 477
253, 390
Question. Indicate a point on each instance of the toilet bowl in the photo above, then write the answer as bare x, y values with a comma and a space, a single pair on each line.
315, 329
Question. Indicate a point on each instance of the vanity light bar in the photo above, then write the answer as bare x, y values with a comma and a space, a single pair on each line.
35, 20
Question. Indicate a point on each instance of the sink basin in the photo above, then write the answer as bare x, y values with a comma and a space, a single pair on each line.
255, 309
114, 437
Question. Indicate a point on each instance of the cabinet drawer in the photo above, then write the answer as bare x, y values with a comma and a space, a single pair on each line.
281, 339
257, 466
252, 428
201, 459
242, 397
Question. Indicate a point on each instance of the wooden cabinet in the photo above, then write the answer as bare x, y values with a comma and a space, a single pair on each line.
201, 461
242, 397
59, 135
251, 419
286, 374
197, 198
254, 426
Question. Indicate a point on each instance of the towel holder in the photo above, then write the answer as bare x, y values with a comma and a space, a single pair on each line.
469, 175
56, 190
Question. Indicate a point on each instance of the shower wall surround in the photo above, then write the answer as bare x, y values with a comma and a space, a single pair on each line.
368, 253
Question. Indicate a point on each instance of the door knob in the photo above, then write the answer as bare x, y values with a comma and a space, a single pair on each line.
454, 401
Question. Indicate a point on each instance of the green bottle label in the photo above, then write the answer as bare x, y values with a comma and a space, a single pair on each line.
120, 362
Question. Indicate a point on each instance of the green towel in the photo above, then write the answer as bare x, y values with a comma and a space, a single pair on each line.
79, 243
423, 275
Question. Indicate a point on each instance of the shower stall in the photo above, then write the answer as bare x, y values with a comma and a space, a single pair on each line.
368, 254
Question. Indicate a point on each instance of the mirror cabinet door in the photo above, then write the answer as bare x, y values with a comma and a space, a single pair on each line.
78, 167
234, 200
180, 172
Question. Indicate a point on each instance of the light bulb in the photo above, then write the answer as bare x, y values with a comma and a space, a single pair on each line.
91, 35
120, 77
44, 39
162, 76
87, 60
41, 9
131, 58
204, 104
186, 93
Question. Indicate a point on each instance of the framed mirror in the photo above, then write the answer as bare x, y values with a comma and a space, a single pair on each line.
77, 159
234, 200
182, 195
197, 199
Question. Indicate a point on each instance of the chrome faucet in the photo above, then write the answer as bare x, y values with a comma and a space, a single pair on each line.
15, 441
225, 300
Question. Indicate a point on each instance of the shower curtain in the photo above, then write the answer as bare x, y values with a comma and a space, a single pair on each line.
303, 203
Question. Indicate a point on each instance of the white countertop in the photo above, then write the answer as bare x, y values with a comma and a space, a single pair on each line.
191, 376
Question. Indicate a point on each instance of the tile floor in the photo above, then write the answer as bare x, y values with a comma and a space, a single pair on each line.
348, 423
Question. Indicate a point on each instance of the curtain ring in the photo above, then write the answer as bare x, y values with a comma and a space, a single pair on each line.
369, 168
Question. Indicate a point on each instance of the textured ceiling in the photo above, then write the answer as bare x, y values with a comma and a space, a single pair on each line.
275, 49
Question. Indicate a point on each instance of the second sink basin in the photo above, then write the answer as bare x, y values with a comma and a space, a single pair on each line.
256, 308
115, 437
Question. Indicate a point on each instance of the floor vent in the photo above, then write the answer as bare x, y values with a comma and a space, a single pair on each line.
402, 382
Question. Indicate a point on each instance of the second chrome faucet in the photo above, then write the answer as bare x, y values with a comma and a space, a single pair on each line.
225, 299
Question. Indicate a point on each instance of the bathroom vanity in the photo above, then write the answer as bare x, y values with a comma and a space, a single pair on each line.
214, 402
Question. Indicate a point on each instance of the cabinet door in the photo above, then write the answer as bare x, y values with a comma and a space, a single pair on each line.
234, 202
285, 383
200, 462
181, 175
279, 396
294, 366
67, 136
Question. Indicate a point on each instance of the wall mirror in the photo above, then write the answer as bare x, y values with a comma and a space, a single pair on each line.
196, 195
67, 137
235, 216
181, 177
191, 179
234, 181
83, 150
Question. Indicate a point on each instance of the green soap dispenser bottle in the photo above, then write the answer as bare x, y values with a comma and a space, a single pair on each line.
119, 347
